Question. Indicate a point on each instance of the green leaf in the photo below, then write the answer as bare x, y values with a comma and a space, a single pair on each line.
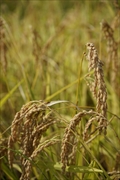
84, 169
78, 169
8, 172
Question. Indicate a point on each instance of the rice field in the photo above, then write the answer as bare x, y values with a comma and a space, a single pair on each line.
60, 90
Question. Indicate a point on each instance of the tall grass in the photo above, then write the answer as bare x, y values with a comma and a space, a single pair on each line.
60, 94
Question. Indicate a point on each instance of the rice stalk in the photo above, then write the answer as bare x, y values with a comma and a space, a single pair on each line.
112, 50
27, 129
97, 86
69, 141
3, 46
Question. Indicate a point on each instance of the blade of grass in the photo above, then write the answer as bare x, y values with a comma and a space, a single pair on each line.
9, 174
78, 85
9, 94
97, 162
66, 87
82, 169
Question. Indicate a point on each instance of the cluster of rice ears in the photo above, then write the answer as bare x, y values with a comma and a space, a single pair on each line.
69, 125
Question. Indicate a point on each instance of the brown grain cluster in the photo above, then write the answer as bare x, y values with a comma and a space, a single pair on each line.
112, 61
3, 46
27, 129
69, 141
97, 86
